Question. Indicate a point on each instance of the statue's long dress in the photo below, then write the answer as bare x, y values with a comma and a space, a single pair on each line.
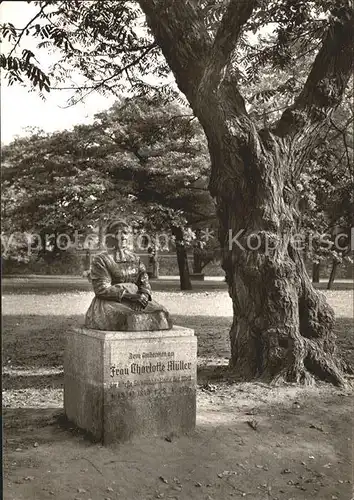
111, 274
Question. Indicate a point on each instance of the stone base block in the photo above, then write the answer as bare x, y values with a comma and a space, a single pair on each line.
122, 385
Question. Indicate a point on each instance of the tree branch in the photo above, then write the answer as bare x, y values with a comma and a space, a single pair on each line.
180, 32
119, 71
39, 13
103, 83
327, 80
227, 35
341, 131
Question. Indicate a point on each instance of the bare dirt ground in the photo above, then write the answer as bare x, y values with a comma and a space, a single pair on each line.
252, 440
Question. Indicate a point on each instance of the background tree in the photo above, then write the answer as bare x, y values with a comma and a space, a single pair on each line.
119, 163
50, 187
327, 186
159, 151
282, 328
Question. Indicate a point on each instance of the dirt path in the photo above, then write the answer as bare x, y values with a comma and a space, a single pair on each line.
300, 449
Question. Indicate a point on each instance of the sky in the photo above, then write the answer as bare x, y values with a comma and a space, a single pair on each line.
21, 108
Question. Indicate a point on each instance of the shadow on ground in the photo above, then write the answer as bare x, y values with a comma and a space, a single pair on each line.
36, 341
345, 339
35, 345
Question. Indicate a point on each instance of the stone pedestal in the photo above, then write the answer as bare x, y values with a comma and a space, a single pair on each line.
121, 385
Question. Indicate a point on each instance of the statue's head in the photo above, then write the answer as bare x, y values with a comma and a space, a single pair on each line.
118, 232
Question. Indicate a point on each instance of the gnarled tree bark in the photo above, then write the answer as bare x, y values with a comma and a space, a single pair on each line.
282, 327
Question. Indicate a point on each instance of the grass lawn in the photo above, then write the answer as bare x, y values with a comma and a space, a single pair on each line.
301, 448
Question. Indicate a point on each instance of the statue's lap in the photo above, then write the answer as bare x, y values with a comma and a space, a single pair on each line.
116, 316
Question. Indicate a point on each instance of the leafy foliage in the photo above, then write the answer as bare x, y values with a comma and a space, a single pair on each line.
16, 68
119, 164
327, 186
108, 42
130, 149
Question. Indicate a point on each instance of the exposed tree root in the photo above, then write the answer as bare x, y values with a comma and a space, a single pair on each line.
287, 332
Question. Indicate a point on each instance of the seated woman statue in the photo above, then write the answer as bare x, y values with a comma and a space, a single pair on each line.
122, 289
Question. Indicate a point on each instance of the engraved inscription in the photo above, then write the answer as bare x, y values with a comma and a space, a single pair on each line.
151, 367
155, 392
150, 373
144, 355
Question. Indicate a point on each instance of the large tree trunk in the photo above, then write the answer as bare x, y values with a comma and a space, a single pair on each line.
282, 327
182, 259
